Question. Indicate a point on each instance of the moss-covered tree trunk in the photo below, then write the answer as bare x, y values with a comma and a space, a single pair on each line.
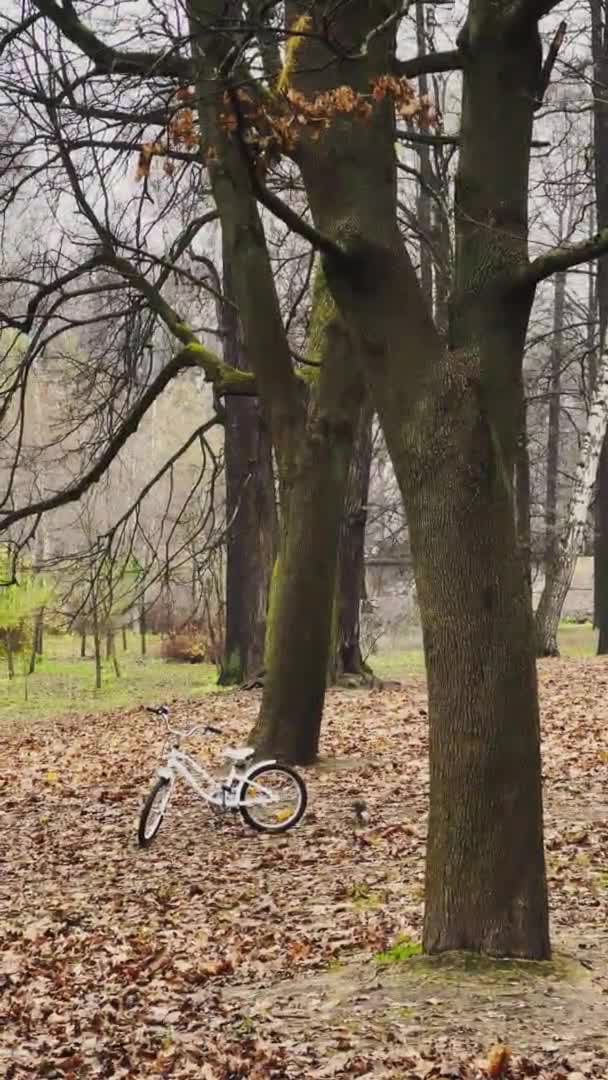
301, 612
451, 418
250, 511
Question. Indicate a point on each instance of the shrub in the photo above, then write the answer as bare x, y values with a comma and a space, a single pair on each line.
186, 646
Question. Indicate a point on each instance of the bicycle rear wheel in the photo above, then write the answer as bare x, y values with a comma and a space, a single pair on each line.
153, 812
273, 798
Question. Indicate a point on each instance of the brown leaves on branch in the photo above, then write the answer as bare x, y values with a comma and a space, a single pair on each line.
274, 124
182, 134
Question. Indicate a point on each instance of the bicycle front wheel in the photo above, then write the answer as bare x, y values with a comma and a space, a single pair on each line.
273, 798
153, 812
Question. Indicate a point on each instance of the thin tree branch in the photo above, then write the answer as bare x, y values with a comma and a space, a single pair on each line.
549, 64
564, 258
186, 358
10, 35
431, 63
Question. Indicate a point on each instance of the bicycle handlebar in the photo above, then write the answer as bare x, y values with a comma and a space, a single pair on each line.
163, 710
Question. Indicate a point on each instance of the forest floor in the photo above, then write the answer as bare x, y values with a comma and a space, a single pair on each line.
222, 954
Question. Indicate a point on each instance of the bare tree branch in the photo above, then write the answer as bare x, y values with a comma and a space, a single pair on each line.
564, 258
433, 62
186, 358
166, 65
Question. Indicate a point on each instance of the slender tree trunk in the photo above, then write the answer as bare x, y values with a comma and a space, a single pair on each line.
522, 496
351, 552
10, 659
554, 416
599, 44
559, 575
451, 419
125, 644
142, 628
97, 645
32, 664
39, 633
250, 510
83, 643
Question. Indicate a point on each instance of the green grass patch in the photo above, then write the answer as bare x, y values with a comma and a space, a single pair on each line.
403, 949
577, 640
65, 683
397, 664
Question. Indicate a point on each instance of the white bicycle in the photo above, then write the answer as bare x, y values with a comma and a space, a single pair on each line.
270, 796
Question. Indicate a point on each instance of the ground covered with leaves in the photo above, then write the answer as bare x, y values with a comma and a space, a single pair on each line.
222, 954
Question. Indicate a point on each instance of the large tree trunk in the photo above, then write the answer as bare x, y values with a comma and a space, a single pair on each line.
599, 44
451, 420
251, 513
559, 574
351, 553
301, 609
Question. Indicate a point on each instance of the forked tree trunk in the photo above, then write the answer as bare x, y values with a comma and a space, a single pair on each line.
351, 553
250, 510
451, 419
560, 572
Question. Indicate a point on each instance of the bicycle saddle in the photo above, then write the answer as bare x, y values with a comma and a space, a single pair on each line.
239, 753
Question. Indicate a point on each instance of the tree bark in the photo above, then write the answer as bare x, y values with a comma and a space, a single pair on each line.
559, 574
83, 643
250, 510
451, 419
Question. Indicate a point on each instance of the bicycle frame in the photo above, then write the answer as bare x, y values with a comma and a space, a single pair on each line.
219, 792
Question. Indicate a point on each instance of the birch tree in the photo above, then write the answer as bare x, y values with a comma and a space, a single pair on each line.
562, 564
